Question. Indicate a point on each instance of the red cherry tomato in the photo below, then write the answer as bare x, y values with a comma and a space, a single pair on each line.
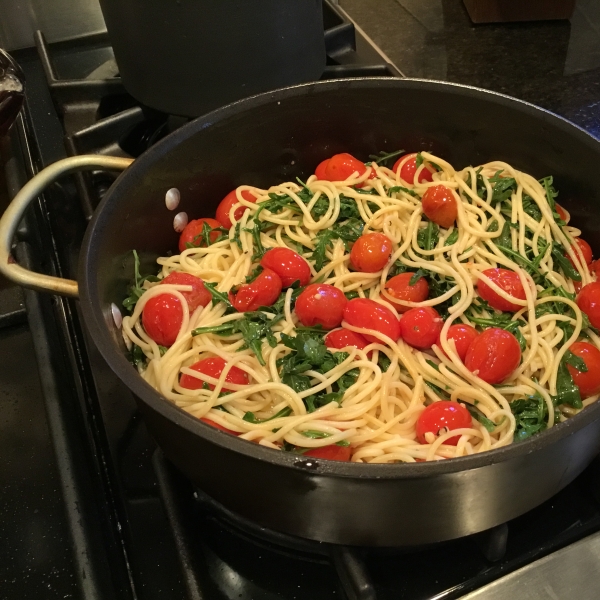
589, 381
321, 304
588, 301
562, 213
586, 250
321, 170
507, 281
439, 205
366, 313
421, 327
344, 338
333, 452
162, 317
289, 265
217, 426
193, 229
493, 355
440, 417
199, 296
399, 287
409, 168
341, 166
371, 252
224, 207
263, 291
213, 367
463, 335
595, 268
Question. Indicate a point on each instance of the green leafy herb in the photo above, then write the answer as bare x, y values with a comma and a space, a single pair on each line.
218, 296
351, 295
479, 416
415, 278
384, 362
566, 390
254, 274
399, 188
531, 416
137, 357
502, 187
348, 232
427, 237
452, 238
575, 361
315, 435
559, 255
251, 418
205, 236
136, 289
383, 158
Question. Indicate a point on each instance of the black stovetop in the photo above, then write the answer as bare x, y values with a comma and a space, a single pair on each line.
89, 508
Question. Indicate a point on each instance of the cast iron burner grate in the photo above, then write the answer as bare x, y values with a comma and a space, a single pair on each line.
100, 117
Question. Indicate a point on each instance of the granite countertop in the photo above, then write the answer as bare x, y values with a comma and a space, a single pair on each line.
554, 64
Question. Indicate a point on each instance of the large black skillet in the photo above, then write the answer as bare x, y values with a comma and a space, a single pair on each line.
276, 137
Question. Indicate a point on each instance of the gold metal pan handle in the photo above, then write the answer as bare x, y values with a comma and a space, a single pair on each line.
30, 191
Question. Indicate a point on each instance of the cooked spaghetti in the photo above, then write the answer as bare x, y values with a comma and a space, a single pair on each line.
296, 394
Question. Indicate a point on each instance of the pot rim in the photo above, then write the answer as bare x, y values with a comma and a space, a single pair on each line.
94, 313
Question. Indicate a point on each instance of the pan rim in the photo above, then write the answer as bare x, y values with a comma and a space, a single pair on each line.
97, 324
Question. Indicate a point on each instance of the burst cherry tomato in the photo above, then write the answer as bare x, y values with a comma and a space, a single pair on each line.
263, 291
224, 207
588, 381
213, 367
199, 296
333, 452
341, 166
163, 314
371, 252
440, 417
463, 335
409, 168
588, 301
562, 213
399, 287
585, 249
493, 355
421, 327
321, 304
366, 313
194, 229
289, 265
439, 205
217, 426
506, 280
344, 338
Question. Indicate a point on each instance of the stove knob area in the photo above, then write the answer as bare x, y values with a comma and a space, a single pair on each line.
12, 91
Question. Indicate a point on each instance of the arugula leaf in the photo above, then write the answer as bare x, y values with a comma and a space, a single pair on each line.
427, 237
503, 187
397, 268
256, 230
502, 321
531, 416
452, 238
204, 237
351, 295
315, 435
575, 361
531, 208
479, 416
348, 232
236, 235
566, 390
415, 278
419, 160
348, 208
218, 296
384, 362
314, 402
137, 357
399, 188
383, 158
254, 274
135, 289
559, 255
251, 418
479, 183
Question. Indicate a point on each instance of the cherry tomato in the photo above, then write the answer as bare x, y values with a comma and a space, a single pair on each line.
507, 281
363, 312
321, 304
193, 229
399, 287
224, 207
439, 205
162, 317
199, 296
333, 452
321, 170
440, 417
463, 335
493, 355
344, 338
263, 291
341, 166
562, 213
586, 251
289, 265
421, 327
409, 168
588, 301
213, 367
371, 252
589, 381
595, 268
217, 426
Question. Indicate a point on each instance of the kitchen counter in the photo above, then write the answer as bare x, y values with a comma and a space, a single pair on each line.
554, 64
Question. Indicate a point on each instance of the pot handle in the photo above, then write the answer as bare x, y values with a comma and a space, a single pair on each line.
29, 192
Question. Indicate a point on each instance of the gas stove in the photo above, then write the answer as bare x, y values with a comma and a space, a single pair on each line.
92, 509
